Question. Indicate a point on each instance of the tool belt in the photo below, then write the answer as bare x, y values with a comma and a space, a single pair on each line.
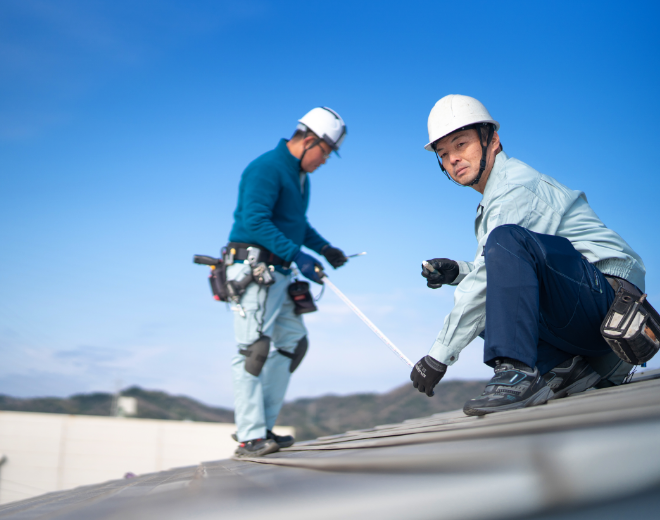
261, 262
631, 326
238, 251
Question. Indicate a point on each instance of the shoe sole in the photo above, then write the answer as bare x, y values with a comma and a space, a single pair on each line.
540, 397
282, 444
579, 386
259, 453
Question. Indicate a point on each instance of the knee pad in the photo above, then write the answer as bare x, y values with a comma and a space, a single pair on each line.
297, 355
256, 355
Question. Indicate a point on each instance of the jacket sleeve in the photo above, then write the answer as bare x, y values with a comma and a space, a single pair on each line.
260, 193
464, 268
313, 240
517, 205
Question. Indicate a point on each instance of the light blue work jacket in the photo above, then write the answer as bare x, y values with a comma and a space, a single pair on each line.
517, 194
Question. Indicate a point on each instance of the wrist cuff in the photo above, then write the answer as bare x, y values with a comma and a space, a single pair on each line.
463, 271
443, 354
435, 364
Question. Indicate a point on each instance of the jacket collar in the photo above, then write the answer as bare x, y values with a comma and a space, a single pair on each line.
287, 157
495, 177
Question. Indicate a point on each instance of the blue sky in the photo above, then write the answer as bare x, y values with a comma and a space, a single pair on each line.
124, 128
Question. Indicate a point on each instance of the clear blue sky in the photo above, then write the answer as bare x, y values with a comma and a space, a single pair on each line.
125, 126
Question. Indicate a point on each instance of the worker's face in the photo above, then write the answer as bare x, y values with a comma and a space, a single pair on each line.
460, 154
316, 155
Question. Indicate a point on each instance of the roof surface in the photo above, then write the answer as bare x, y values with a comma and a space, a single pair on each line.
592, 455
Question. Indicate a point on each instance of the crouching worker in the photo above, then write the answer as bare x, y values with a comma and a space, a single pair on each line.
270, 227
541, 283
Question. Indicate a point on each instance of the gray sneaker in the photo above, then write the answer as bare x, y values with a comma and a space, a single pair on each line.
570, 377
515, 385
256, 448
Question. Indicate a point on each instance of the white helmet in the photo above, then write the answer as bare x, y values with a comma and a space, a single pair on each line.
327, 124
453, 112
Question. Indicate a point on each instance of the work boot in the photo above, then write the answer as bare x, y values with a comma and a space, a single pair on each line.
570, 377
256, 448
284, 441
515, 385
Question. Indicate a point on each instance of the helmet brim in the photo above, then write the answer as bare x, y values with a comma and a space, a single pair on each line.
429, 146
334, 146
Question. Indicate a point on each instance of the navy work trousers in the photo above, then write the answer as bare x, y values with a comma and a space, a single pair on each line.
545, 302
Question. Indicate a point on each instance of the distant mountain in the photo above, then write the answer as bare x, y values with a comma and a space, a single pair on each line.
312, 417
151, 405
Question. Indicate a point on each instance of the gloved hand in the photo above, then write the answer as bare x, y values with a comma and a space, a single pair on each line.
446, 271
307, 266
427, 373
334, 255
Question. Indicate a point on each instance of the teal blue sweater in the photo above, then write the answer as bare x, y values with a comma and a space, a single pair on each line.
271, 208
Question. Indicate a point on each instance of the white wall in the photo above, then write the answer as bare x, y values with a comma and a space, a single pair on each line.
52, 452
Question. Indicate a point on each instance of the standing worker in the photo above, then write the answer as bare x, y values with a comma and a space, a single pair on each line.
550, 265
270, 228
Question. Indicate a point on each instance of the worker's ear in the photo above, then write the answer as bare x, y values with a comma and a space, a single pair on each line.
496, 140
309, 141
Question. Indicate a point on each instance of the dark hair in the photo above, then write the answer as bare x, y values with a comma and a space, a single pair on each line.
482, 132
302, 134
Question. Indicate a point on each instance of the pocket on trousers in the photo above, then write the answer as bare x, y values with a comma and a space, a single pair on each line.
593, 277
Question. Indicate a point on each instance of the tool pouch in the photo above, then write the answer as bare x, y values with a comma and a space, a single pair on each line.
301, 297
261, 273
218, 281
631, 326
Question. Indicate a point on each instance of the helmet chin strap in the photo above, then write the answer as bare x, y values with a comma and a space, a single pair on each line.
484, 150
315, 143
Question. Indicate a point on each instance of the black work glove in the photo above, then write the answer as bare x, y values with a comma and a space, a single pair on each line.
427, 373
334, 256
446, 271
